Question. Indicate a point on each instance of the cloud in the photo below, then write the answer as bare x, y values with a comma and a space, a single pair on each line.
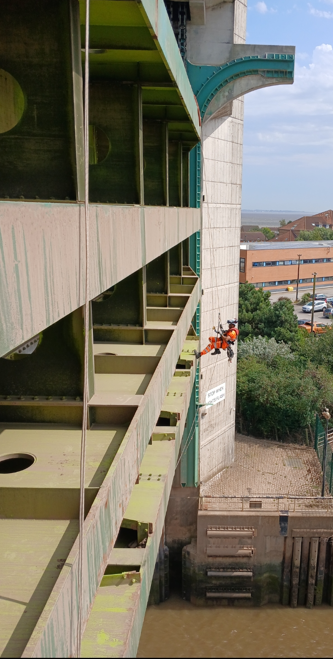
285, 124
311, 94
319, 13
261, 7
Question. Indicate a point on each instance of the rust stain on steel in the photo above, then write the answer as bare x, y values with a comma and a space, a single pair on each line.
55, 632
42, 257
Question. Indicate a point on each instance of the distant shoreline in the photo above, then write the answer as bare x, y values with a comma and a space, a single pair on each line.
271, 218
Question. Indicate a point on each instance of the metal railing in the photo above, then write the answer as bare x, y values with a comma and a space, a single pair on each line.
319, 447
268, 503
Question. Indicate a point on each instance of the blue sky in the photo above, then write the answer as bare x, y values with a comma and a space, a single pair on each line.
288, 130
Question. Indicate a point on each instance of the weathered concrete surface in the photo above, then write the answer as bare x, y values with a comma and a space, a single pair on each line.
32, 552
254, 524
181, 518
116, 618
56, 631
265, 467
42, 264
222, 142
268, 556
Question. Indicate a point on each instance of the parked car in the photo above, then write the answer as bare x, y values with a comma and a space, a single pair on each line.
328, 312
329, 300
318, 328
321, 296
319, 305
301, 321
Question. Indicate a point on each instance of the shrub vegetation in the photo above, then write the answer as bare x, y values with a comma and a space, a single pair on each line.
285, 376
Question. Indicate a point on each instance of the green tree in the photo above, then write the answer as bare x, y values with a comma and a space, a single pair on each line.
319, 233
254, 308
317, 350
305, 298
264, 349
258, 317
283, 223
281, 323
268, 233
279, 400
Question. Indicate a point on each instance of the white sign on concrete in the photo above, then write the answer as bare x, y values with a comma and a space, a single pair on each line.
214, 396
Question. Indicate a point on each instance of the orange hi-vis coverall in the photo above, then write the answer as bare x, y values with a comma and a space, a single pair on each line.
216, 342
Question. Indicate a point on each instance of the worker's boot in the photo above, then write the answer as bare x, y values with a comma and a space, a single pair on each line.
197, 354
217, 351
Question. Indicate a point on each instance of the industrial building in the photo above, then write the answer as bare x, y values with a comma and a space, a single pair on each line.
120, 228
276, 265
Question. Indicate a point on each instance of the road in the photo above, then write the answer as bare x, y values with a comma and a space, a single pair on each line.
318, 315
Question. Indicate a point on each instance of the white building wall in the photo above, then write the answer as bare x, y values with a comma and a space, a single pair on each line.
222, 151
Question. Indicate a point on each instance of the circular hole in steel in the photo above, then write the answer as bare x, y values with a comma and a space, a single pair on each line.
11, 463
99, 145
12, 105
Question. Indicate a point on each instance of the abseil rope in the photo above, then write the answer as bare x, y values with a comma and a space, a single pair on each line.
86, 335
188, 441
215, 289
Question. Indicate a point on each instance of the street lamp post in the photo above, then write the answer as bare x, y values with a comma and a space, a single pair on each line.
326, 416
299, 263
313, 299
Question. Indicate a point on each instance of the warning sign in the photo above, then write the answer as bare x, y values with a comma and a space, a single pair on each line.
214, 396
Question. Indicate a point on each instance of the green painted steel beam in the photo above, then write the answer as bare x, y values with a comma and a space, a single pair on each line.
135, 41
207, 81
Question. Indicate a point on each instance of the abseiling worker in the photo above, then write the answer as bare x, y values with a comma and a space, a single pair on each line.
224, 340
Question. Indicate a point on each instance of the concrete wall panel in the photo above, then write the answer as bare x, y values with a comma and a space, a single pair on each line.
222, 145
204, 41
42, 257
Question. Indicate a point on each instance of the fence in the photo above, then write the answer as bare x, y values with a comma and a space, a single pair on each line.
268, 503
319, 447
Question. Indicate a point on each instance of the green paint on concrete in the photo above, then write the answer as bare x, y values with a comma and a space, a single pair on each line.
104, 639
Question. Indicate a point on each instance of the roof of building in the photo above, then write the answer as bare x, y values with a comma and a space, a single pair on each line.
293, 244
252, 236
291, 230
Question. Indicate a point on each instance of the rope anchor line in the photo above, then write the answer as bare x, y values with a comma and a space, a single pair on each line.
86, 339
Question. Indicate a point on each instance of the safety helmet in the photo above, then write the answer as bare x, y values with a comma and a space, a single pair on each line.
233, 321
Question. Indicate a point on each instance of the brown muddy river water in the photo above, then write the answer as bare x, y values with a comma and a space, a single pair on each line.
178, 629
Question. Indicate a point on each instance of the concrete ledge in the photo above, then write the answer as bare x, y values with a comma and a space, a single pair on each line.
42, 263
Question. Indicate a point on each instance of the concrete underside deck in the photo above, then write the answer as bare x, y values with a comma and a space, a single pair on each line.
32, 554
268, 468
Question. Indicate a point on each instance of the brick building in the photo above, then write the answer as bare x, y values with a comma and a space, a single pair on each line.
307, 223
252, 237
275, 265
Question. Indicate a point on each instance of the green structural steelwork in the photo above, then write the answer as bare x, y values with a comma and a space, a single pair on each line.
190, 461
208, 80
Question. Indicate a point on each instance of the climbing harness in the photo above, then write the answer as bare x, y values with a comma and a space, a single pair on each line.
222, 340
